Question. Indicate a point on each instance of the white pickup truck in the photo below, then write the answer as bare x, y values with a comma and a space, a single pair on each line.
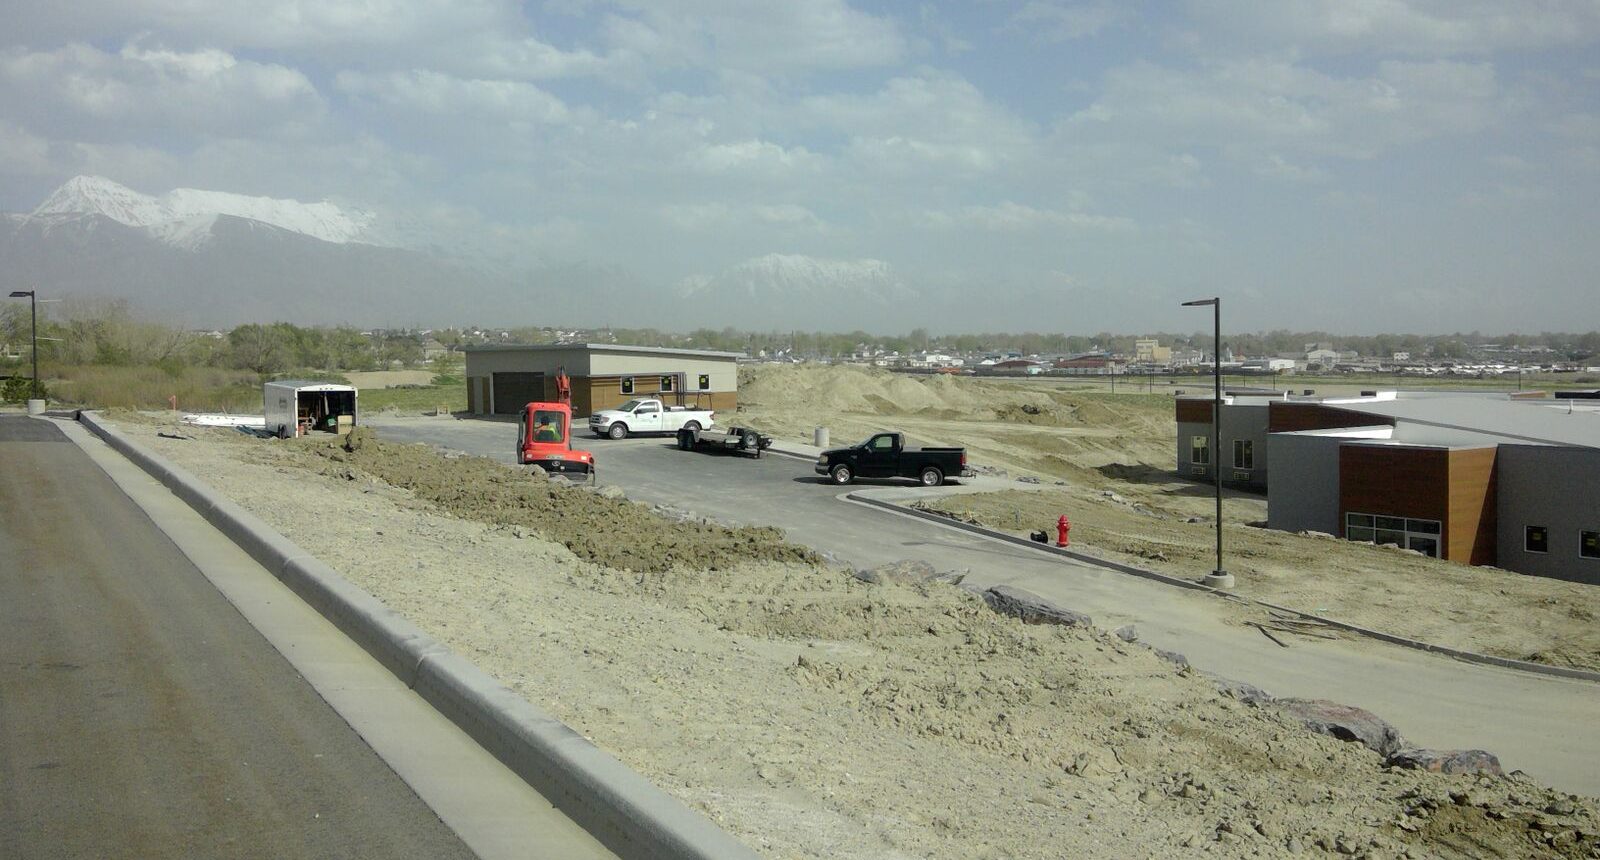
648, 416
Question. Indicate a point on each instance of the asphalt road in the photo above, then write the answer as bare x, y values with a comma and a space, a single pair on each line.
141, 716
1546, 726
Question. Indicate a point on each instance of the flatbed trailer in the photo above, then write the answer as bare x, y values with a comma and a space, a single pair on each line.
734, 440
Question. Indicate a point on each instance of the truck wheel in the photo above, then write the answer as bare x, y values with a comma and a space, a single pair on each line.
618, 431
932, 477
693, 426
842, 475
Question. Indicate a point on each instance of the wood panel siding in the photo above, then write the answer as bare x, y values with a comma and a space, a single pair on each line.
592, 394
1396, 482
1284, 417
1472, 524
1194, 411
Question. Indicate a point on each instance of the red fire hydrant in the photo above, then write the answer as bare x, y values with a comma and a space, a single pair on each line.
1063, 526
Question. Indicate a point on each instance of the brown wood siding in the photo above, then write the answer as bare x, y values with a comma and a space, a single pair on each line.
1396, 482
1194, 411
605, 392
1287, 417
1472, 526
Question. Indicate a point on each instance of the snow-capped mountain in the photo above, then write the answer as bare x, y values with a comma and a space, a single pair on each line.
799, 276
184, 217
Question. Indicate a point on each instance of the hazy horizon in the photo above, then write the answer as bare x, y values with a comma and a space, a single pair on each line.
1413, 165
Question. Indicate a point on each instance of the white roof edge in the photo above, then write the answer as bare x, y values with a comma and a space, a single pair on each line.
598, 347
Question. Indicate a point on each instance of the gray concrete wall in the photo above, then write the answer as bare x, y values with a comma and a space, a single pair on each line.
1304, 493
1238, 422
1554, 487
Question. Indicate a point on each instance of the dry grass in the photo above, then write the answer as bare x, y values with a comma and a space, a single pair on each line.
205, 389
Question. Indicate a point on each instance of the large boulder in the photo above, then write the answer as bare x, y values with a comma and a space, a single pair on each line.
1448, 761
1031, 608
1345, 722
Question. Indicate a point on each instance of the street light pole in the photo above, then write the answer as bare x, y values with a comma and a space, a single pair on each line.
1219, 577
33, 333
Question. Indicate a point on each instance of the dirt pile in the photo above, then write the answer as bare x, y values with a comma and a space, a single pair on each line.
613, 532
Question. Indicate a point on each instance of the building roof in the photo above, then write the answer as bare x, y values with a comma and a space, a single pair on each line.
1542, 421
599, 347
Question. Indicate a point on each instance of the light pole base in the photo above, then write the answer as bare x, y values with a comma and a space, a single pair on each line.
35, 407
1219, 579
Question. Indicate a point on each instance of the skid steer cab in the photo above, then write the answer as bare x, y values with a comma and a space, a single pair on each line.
544, 439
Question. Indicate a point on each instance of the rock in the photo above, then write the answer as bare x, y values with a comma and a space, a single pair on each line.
1345, 722
1195, 520
1032, 608
1112, 496
1319, 535
1172, 657
611, 491
1447, 761
1250, 694
1028, 479
1294, 846
1127, 633
905, 571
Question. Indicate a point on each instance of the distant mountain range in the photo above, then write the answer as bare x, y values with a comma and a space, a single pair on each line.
217, 259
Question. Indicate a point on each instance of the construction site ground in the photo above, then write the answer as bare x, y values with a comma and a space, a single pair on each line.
814, 714
1107, 461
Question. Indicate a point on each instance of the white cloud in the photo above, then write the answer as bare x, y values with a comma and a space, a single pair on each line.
722, 216
1416, 27
438, 94
1055, 21
753, 156
1272, 105
207, 91
1010, 217
768, 36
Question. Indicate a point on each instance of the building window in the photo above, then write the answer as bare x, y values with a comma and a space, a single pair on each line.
1536, 539
1589, 544
705, 382
1405, 532
1199, 450
668, 383
1244, 455
627, 385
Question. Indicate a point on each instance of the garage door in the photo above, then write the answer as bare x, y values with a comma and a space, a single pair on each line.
512, 391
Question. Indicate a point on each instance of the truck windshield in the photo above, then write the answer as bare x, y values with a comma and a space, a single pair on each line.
547, 426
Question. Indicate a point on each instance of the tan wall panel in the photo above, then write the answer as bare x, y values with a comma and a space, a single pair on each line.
1473, 527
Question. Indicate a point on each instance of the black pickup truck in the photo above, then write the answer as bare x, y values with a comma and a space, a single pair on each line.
885, 455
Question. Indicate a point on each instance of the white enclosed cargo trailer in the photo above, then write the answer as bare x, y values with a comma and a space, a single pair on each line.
295, 408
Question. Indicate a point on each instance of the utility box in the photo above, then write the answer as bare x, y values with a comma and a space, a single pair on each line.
295, 408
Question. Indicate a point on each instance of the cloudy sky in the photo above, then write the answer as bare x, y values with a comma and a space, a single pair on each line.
1353, 165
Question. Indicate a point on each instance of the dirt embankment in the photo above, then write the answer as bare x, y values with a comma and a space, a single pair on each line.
613, 532
816, 715
1113, 458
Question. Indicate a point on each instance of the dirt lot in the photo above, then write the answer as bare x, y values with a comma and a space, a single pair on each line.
1114, 455
816, 715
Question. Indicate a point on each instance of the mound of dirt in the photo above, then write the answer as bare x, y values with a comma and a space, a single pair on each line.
613, 532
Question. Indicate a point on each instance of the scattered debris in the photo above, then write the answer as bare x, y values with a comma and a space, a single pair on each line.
1345, 722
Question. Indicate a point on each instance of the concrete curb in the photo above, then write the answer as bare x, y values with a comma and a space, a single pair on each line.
1465, 656
619, 807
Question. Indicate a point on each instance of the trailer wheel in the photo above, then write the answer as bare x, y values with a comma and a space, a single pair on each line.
618, 431
932, 477
841, 474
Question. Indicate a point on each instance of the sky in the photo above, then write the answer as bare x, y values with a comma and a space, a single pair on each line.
1340, 165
